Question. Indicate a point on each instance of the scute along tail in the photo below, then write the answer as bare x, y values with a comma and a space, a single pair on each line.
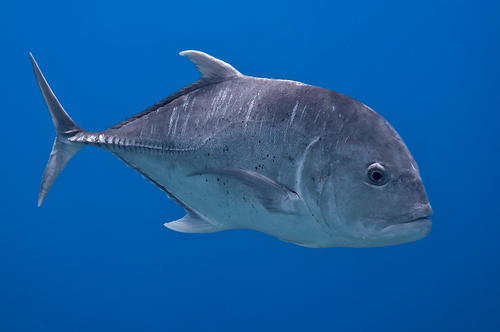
63, 150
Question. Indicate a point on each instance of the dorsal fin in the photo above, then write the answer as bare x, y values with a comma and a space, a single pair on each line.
209, 66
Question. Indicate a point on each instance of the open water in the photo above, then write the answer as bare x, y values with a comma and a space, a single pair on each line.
96, 256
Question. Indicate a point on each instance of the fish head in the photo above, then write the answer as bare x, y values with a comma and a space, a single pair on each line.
374, 195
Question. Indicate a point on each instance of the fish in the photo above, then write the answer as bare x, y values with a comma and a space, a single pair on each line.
304, 164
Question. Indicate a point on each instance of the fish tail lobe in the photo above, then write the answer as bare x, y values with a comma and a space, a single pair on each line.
63, 149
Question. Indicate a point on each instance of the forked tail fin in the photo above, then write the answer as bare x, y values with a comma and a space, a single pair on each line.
63, 150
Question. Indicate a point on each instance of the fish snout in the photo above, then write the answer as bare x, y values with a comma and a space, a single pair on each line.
422, 210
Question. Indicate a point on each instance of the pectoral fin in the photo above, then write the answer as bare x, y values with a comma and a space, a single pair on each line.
274, 196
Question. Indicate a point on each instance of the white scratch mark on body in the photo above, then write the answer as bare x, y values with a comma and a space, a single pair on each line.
303, 112
172, 116
294, 112
247, 117
188, 115
317, 116
175, 124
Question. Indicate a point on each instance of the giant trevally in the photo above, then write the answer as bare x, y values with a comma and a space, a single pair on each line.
305, 164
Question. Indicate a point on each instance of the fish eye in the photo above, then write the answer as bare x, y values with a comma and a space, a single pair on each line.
377, 174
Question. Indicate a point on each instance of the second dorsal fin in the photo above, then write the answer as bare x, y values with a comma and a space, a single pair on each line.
209, 66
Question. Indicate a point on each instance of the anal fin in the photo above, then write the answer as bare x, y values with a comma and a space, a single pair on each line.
192, 224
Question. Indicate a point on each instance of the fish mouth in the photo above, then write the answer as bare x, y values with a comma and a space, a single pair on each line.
419, 224
408, 227
418, 219
413, 220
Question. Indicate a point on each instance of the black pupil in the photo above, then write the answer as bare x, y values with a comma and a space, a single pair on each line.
376, 176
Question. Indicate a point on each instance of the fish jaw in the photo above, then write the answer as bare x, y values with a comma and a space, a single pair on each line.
409, 229
406, 232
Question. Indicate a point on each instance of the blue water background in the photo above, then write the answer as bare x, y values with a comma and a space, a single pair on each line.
96, 256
